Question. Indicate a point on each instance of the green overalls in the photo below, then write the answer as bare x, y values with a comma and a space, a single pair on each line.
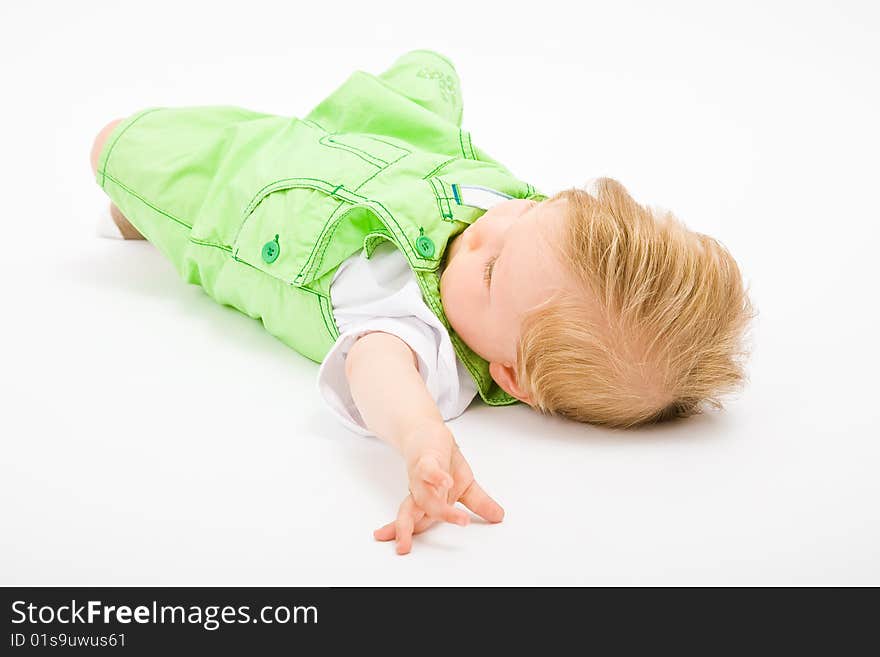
260, 210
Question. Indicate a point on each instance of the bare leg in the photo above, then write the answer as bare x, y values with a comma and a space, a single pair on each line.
128, 231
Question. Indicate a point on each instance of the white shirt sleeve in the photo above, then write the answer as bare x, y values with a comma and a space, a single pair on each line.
382, 294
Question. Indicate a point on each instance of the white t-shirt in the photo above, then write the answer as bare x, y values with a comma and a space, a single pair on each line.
381, 294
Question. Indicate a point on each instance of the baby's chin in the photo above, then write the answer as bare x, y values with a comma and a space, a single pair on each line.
461, 329
446, 297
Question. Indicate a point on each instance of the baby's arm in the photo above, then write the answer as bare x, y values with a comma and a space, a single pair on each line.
382, 373
391, 396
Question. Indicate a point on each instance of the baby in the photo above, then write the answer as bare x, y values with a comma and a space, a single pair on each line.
374, 237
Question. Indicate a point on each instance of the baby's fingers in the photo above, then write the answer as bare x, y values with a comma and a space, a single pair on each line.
423, 524
435, 505
388, 532
428, 469
478, 501
385, 532
404, 527
432, 498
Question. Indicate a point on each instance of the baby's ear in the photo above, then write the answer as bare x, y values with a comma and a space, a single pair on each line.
505, 376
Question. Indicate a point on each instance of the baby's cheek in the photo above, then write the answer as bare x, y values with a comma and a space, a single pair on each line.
458, 299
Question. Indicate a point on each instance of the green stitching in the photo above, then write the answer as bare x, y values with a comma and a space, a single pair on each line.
448, 215
267, 189
372, 239
303, 288
366, 180
436, 195
307, 270
283, 183
354, 151
438, 311
379, 139
371, 205
342, 145
200, 242
288, 183
440, 166
329, 318
363, 202
465, 353
402, 234
147, 203
104, 174
447, 197
313, 123
312, 263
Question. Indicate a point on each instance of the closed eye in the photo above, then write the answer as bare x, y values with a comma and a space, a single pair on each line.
487, 270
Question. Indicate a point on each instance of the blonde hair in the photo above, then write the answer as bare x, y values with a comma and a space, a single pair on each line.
653, 327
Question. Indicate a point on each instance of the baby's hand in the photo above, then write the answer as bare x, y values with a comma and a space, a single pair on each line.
439, 476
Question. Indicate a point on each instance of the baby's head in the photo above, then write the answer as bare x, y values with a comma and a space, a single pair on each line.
591, 306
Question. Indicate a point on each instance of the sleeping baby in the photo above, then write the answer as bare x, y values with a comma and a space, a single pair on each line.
374, 237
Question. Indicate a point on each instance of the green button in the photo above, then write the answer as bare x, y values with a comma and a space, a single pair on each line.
271, 251
424, 245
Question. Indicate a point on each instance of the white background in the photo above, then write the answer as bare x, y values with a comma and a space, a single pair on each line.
152, 436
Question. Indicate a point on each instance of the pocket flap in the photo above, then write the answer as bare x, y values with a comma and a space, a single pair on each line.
282, 225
